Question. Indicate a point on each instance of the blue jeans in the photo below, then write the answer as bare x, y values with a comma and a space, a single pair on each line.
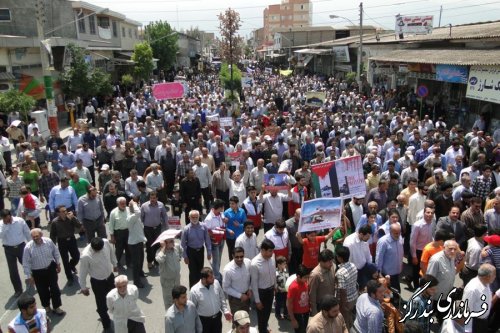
14, 204
216, 258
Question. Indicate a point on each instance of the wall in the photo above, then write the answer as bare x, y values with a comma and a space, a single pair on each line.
57, 12
127, 42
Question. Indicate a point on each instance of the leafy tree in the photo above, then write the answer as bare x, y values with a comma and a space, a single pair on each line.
229, 24
81, 79
14, 100
163, 41
229, 83
143, 58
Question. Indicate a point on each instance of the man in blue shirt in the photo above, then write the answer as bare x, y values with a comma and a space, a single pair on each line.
62, 195
236, 217
194, 237
369, 313
389, 258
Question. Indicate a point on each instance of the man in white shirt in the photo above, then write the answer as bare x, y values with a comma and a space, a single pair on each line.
99, 261
273, 206
236, 282
478, 294
202, 172
122, 304
248, 241
210, 301
357, 243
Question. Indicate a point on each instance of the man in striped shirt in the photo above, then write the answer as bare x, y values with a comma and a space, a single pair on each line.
347, 277
41, 264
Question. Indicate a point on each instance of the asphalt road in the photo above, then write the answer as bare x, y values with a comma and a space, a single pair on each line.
81, 315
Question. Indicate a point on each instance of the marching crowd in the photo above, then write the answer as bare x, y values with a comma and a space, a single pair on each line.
122, 179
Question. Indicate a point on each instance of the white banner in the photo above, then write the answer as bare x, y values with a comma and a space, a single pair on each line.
414, 24
484, 83
341, 54
226, 122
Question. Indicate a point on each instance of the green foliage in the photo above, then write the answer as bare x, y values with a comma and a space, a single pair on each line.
14, 100
81, 80
228, 84
127, 80
163, 41
143, 58
350, 77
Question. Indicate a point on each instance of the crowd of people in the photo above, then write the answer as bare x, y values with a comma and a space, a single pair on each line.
139, 166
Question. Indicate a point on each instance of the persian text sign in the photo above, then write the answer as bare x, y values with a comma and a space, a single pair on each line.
414, 24
340, 178
169, 90
484, 83
319, 214
452, 73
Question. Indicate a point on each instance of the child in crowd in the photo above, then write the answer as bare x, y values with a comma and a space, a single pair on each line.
280, 298
297, 302
311, 246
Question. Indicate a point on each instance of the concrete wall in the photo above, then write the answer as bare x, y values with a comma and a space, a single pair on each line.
23, 23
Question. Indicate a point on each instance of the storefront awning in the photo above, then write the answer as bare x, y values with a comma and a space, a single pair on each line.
312, 51
276, 55
466, 57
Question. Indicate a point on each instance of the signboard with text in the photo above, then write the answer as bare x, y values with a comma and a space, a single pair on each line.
484, 83
169, 90
341, 54
414, 25
452, 73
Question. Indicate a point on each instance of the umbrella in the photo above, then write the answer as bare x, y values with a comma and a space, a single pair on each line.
167, 234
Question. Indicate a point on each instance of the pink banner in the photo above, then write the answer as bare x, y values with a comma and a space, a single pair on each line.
169, 90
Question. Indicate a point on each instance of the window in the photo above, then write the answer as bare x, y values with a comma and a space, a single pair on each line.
123, 32
5, 15
92, 24
81, 22
115, 31
103, 22
129, 33
135, 31
301, 6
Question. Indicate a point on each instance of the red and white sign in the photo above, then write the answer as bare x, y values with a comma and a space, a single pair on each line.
174, 222
169, 90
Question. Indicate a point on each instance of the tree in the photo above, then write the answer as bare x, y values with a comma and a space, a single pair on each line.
194, 32
81, 79
143, 58
230, 50
163, 41
14, 100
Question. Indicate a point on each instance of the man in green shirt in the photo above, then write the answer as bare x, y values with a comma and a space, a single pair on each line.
80, 185
30, 178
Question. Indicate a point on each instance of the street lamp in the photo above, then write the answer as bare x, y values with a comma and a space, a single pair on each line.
360, 46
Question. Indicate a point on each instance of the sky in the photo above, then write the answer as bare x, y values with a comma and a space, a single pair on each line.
380, 13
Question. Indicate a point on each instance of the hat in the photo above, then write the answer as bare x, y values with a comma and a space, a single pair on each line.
438, 170
360, 197
408, 152
241, 317
492, 240
105, 167
267, 138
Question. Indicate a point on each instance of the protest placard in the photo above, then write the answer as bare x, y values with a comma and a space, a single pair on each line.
319, 214
340, 178
276, 182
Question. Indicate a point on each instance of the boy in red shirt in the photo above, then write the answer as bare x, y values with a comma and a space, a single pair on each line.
297, 301
311, 245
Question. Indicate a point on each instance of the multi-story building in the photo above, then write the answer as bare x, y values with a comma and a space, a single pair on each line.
288, 14
109, 38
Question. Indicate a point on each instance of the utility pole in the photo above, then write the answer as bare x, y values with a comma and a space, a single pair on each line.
440, 13
46, 72
360, 47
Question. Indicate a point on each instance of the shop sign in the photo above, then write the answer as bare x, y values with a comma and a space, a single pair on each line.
341, 54
484, 83
414, 24
452, 73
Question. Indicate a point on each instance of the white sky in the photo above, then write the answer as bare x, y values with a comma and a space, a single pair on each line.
191, 13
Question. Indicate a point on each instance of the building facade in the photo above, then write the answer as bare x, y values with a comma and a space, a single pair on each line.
288, 14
